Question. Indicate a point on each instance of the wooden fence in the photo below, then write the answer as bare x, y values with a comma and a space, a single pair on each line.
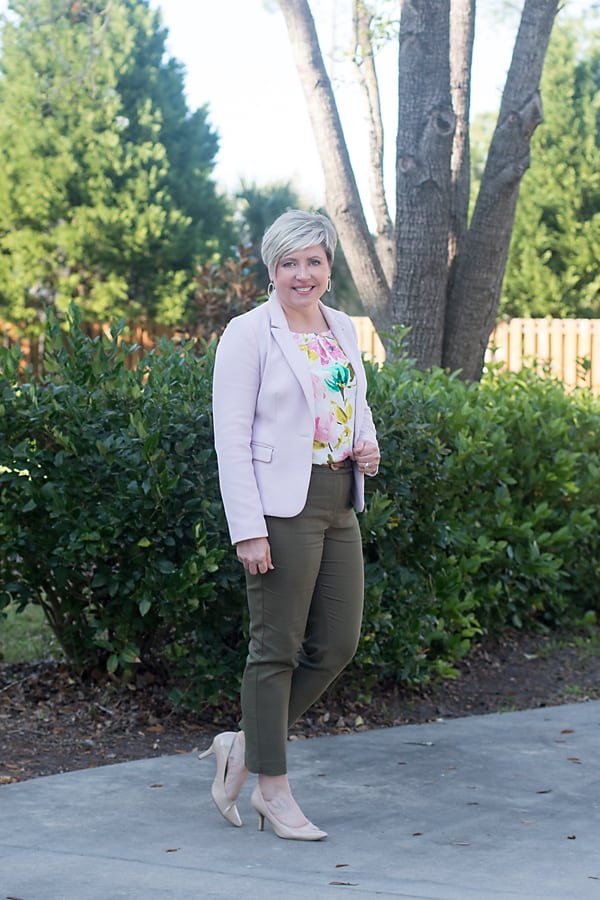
568, 349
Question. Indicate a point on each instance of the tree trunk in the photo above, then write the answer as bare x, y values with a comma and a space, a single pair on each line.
425, 132
475, 293
447, 279
342, 197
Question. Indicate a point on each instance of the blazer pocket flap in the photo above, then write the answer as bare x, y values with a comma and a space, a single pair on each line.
261, 452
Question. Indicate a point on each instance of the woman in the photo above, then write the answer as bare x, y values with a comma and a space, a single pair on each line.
294, 437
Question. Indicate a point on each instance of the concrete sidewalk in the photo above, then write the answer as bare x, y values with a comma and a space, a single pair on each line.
482, 808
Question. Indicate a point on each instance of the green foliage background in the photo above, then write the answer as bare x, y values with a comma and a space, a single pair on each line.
552, 268
484, 514
106, 190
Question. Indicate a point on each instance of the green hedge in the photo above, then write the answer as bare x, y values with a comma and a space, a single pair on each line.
110, 515
484, 513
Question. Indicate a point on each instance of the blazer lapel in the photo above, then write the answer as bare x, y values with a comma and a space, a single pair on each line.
291, 353
342, 330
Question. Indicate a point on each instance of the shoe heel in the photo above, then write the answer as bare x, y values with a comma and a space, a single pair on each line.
307, 832
208, 752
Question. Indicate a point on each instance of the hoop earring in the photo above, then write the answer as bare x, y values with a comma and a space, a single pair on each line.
270, 288
328, 288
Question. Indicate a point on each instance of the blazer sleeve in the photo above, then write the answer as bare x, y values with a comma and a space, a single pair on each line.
367, 427
236, 383
367, 430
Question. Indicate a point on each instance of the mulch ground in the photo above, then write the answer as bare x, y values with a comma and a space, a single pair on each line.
51, 722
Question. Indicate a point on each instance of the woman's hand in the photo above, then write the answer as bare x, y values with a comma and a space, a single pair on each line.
366, 456
255, 555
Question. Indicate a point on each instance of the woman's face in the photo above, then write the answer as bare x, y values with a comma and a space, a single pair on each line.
301, 277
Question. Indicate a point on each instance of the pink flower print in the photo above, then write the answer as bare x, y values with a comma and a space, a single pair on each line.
323, 428
327, 348
335, 351
318, 388
320, 348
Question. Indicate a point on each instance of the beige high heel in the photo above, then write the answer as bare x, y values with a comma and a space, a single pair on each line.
308, 832
221, 748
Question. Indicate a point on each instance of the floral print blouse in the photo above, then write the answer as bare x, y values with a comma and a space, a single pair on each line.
334, 389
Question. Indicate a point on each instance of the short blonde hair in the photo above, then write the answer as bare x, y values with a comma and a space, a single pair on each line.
297, 230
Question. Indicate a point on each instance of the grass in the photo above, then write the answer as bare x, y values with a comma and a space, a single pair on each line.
584, 639
574, 690
25, 636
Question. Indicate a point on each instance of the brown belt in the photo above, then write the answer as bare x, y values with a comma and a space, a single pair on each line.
336, 466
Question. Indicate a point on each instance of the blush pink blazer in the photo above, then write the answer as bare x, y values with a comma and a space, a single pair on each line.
264, 417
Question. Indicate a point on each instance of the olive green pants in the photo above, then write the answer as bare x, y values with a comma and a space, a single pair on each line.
305, 616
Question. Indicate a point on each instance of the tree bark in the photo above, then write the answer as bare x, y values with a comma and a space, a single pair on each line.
475, 294
366, 74
425, 131
342, 197
462, 33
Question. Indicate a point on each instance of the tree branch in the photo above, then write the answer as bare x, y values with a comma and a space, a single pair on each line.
366, 75
343, 200
462, 32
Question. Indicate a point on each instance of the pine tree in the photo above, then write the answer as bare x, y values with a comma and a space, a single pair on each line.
106, 195
553, 262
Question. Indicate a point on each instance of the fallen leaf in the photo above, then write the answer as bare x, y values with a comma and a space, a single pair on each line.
574, 759
568, 731
420, 743
155, 785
